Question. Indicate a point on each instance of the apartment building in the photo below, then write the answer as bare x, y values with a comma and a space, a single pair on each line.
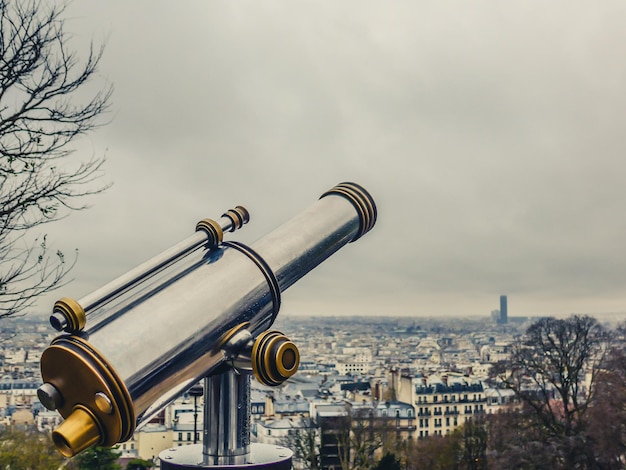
443, 402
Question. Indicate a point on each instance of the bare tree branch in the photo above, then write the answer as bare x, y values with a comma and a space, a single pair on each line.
41, 113
553, 372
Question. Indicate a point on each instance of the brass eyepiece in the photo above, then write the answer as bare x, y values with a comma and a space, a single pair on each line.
77, 432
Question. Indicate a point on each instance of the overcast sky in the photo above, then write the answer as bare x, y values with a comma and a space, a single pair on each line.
490, 133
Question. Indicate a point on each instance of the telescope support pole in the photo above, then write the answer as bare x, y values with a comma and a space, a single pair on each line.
226, 432
226, 416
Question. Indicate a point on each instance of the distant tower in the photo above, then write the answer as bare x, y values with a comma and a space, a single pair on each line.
504, 318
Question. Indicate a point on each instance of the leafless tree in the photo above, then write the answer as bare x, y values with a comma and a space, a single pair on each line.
42, 81
553, 371
516, 440
607, 416
305, 441
433, 452
362, 435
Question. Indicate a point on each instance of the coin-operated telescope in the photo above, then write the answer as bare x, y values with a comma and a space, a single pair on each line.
200, 310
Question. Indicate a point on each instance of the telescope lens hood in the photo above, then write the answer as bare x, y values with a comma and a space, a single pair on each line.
362, 202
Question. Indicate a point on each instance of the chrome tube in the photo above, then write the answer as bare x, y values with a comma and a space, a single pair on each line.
181, 323
172, 333
145, 270
226, 417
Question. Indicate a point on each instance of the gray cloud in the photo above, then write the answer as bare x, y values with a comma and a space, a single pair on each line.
490, 134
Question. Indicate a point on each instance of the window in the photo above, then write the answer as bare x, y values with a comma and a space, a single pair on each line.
188, 436
180, 436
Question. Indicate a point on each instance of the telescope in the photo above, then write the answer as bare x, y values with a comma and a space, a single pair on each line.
199, 311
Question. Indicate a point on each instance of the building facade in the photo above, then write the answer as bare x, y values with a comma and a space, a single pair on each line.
443, 403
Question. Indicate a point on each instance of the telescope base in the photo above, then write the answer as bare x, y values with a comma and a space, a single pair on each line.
261, 456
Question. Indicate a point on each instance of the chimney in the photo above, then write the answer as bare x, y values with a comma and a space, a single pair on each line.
269, 405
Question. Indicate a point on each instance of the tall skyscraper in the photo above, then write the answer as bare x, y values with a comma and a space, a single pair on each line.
504, 318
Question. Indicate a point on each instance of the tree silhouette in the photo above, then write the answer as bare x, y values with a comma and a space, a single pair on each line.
28, 449
388, 462
139, 464
41, 113
304, 441
98, 458
607, 415
553, 372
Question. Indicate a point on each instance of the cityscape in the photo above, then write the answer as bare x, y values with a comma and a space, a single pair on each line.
480, 326
428, 376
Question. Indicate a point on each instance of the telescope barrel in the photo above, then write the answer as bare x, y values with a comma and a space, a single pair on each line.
119, 372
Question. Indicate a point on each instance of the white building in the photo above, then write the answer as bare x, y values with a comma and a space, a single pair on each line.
356, 361
443, 402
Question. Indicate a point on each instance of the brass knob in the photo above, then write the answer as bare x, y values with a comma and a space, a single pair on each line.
274, 358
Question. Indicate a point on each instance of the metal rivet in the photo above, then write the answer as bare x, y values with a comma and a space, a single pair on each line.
103, 403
